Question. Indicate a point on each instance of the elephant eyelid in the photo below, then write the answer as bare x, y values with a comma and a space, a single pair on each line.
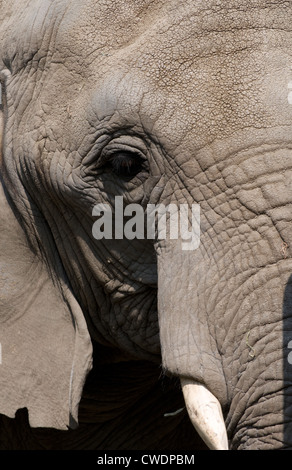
125, 163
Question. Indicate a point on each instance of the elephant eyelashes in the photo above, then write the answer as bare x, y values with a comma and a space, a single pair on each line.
126, 164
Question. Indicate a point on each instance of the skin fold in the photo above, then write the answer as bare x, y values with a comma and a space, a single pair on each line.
99, 332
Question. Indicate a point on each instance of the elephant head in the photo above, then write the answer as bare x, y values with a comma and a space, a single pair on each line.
149, 103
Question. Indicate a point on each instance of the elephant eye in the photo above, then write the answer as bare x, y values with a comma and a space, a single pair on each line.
126, 164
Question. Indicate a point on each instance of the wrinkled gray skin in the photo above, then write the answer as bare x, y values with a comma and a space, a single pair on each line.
200, 89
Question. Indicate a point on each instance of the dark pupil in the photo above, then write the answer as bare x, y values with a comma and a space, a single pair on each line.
125, 164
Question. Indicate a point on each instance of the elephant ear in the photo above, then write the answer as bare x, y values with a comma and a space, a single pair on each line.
45, 348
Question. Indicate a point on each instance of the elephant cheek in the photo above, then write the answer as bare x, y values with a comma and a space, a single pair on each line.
187, 334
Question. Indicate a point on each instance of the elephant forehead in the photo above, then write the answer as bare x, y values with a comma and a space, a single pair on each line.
174, 34
203, 66
113, 24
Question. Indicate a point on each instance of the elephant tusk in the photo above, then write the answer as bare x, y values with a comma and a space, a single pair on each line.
206, 414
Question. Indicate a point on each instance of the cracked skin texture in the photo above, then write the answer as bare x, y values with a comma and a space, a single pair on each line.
200, 88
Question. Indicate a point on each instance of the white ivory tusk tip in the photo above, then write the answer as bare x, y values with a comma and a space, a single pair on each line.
206, 414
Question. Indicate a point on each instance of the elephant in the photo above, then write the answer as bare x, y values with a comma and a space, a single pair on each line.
114, 342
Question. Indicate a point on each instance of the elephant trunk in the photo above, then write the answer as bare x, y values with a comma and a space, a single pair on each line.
229, 339
188, 343
260, 378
